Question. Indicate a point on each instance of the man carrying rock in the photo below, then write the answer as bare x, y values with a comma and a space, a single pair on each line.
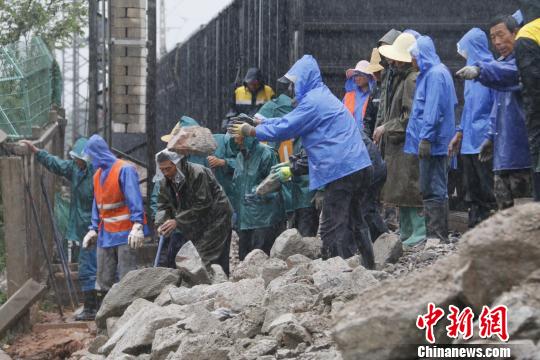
191, 200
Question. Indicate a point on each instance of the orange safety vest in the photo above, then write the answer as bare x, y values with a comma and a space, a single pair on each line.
110, 201
350, 102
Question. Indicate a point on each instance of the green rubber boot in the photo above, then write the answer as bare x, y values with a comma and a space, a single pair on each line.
405, 225
418, 224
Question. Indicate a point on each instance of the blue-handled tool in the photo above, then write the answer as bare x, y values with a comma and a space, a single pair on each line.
160, 246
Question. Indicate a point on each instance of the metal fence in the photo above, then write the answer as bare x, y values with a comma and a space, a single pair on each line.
198, 77
26, 87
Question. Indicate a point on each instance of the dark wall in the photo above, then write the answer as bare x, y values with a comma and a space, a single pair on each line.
197, 78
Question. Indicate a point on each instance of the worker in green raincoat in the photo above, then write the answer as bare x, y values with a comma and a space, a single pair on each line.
79, 172
296, 194
260, 219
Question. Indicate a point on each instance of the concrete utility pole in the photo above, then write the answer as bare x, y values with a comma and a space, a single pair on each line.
151, 90
162, 29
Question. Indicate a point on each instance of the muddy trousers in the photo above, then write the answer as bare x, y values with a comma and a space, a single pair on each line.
343, 228
478, 182
113, 264
171, 246
511, 185
306, 221
434, 189
263, 238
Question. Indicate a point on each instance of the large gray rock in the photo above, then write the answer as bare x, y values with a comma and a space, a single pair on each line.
288, 331
272, 269
381, 322
113, 324
246, 324
231, 295
254, 349
290, 298
290, 242
251, 266
499, 253
297, 259
169, 338
144, 283
164, 297
387, 249
135, 336
345, 284
218, 274
208, 346
189, 262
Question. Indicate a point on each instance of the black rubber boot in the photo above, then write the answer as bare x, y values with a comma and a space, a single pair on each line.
536, 186
436, 214
90, 307
365, 246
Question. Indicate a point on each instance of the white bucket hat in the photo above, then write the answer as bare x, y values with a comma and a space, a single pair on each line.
375, 62
361, 67
399, 50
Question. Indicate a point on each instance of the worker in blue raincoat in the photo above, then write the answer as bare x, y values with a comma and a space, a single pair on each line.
79, 172
473, 129
296, 194
338, 159
506, 141
118, 218
259, 219
429, 131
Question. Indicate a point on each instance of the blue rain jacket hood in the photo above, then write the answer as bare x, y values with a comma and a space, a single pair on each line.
507, 127
306, 75
99, 153
432, 115
360, 98
478, 98
329, 134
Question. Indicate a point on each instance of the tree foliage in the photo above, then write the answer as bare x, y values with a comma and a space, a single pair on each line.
55, 21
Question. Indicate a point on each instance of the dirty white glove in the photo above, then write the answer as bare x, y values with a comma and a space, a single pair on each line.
89, 239
469, 72
136, 236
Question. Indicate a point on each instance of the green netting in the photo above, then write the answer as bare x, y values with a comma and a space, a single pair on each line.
26, 83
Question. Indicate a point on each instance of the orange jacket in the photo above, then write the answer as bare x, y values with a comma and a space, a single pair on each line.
113, 210
350, 102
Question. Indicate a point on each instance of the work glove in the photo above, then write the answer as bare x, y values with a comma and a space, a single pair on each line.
89, 239
283, 174
468, 72
486, 151
240, 128
279, 166
424, 149
243, 118
136, 236
317, 200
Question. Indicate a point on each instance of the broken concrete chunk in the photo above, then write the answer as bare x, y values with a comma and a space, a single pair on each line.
387, 249
189, 262
291, 242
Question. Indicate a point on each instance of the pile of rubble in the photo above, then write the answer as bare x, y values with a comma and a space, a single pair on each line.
292, 305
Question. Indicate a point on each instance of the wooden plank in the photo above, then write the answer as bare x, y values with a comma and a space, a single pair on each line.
85, 325
19, 303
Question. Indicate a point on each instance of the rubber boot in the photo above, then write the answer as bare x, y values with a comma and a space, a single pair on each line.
100, 295
89, 308
405, 225
536, 186
418, 223
365, 246
436, 215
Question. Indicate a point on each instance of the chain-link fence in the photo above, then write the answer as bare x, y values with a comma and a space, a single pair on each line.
27, 80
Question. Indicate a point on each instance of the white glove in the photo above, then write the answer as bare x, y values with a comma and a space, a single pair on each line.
89, 239
469, 72
136, 236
